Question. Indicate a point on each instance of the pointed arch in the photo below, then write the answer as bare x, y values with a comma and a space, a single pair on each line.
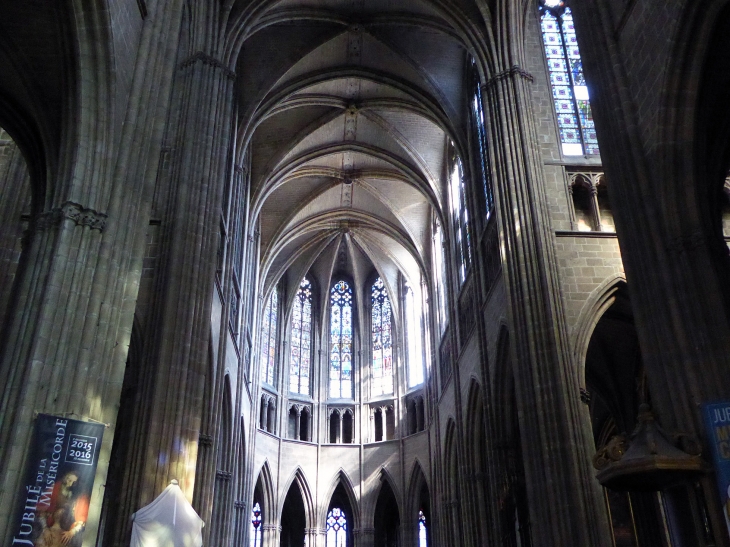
451, 484
299, 478
593, 309
418, 501
386, 512
263, 492
341, 479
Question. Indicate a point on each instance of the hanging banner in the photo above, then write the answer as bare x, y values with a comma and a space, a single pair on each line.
59, 478
717, 425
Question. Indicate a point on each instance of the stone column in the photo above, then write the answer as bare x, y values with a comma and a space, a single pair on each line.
553, 437
177, 351
66, 343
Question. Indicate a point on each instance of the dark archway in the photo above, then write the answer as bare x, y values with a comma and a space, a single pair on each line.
513, 503
339, 501
387, 518
293, 518
616, 382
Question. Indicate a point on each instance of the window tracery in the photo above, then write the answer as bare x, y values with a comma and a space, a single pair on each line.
268, 338
340, 376
570, 92
336, 528
381, 336
301, 340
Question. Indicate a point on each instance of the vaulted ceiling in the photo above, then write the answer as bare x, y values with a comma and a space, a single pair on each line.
348, 108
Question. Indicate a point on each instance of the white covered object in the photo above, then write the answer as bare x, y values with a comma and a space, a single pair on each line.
169, 521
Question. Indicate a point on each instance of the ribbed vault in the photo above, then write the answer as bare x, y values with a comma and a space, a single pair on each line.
347, 111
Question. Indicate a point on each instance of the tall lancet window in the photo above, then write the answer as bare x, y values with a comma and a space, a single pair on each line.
382, 340
414, 336
341, 340
268, 338
460, 216
336, 528
570, 92
300, 357
481, 142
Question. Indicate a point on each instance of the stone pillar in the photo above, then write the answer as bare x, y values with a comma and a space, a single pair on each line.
554, 443
178, 348
66, 343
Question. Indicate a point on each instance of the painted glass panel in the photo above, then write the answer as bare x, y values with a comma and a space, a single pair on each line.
381, 330
300, 356
341, 340
256, 529
570, 92
422, 531
268, 338
336, 528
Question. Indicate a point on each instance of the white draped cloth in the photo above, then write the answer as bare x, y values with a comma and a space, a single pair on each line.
169, 521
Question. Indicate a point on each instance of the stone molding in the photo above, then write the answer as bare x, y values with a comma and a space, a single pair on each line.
223, 475
515, 70
206, 59
82, 216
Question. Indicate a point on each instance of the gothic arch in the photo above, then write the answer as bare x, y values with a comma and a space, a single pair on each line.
384, 477
341, 478
387, 513
593, 309
418, 499
297, 477
264, 486
477, 458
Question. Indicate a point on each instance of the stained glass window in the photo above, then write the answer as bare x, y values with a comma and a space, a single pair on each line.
256, 529
336, 528
414, 337
268, 338
570, 92
301, 340
422, 531
341, 340
461, 218
481, 142
382, 340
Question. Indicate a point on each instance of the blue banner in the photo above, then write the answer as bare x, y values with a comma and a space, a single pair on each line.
717, 425
59, 478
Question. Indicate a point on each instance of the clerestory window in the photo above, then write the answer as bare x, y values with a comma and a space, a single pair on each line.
382, 342
460, 216
268, 338
300, 356
340, 376
570, 91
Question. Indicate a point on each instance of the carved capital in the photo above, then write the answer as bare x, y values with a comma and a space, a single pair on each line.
206, 59
222, 475
515, 70
205, 440
80, 215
